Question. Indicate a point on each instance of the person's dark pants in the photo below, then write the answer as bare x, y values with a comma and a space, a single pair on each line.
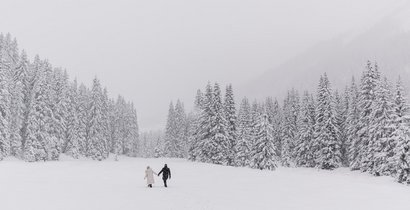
165, 182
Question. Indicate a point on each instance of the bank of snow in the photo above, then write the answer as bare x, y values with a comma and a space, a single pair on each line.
89, 185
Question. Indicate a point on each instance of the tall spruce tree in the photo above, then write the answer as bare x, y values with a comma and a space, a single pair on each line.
244, 122
170, 132
181, 137
289, 135
327, 148
219, 143
71, 127
264, 151
353, 141
367, 95
401, 137
306, 127
195, 128
230, 115
382, 125
96, 147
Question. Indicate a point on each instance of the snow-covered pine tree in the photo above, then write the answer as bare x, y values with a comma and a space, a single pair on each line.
83, 110
29, 80
264, 151
326, 147
180, 139
244, 122
194, 131
367, 95
5, 102
269, 109
382, 125
401, 137
59, 105
341, 107
36, 147
15, 68
401, 158
289, 131
219, 141
120, 121
277, 118
352, 127
5, 98
205, 125
306, 127
230, 115
134, 131
112, 127
52, 124
170, 132
105, 124
96, 125
401, 105
71, 127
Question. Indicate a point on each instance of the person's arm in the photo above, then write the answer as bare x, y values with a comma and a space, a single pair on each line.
160, 172
145, 175
169, 173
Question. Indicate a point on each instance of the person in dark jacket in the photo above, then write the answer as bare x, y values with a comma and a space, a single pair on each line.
166, 173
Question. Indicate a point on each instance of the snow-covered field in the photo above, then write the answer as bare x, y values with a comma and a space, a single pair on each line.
110, 185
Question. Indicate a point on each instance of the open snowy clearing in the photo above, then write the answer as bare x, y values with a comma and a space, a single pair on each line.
89, 185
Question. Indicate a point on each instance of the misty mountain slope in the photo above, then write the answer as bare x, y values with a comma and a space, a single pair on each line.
387, 43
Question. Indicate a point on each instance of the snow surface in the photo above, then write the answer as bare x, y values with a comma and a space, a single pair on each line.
85, 184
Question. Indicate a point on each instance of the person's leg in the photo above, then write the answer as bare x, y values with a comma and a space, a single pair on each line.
165, 182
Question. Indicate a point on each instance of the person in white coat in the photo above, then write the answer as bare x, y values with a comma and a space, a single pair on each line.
149, 176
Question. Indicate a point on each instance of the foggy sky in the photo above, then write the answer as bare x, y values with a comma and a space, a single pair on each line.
155, 51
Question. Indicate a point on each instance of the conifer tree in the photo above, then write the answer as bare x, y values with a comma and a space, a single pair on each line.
244, 122
205, 123
277, 121
83, 110
16, 68
194, 130
96, 147
37, 145
352, 120
219, 142
401, 137
5, 143
367, 95
341, 109
170, 132
306, 128
289, 135
382, 125
180, 139
326, 147
230, 115
264, 151
71, 127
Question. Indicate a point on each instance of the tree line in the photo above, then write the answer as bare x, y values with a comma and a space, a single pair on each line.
44, 114
364, 127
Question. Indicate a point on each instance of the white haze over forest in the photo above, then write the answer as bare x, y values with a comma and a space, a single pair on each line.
153, 52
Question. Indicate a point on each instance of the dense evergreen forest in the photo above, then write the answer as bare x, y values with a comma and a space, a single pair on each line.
364, 127
45, 114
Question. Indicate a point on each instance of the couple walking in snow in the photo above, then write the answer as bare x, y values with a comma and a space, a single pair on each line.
149, 175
